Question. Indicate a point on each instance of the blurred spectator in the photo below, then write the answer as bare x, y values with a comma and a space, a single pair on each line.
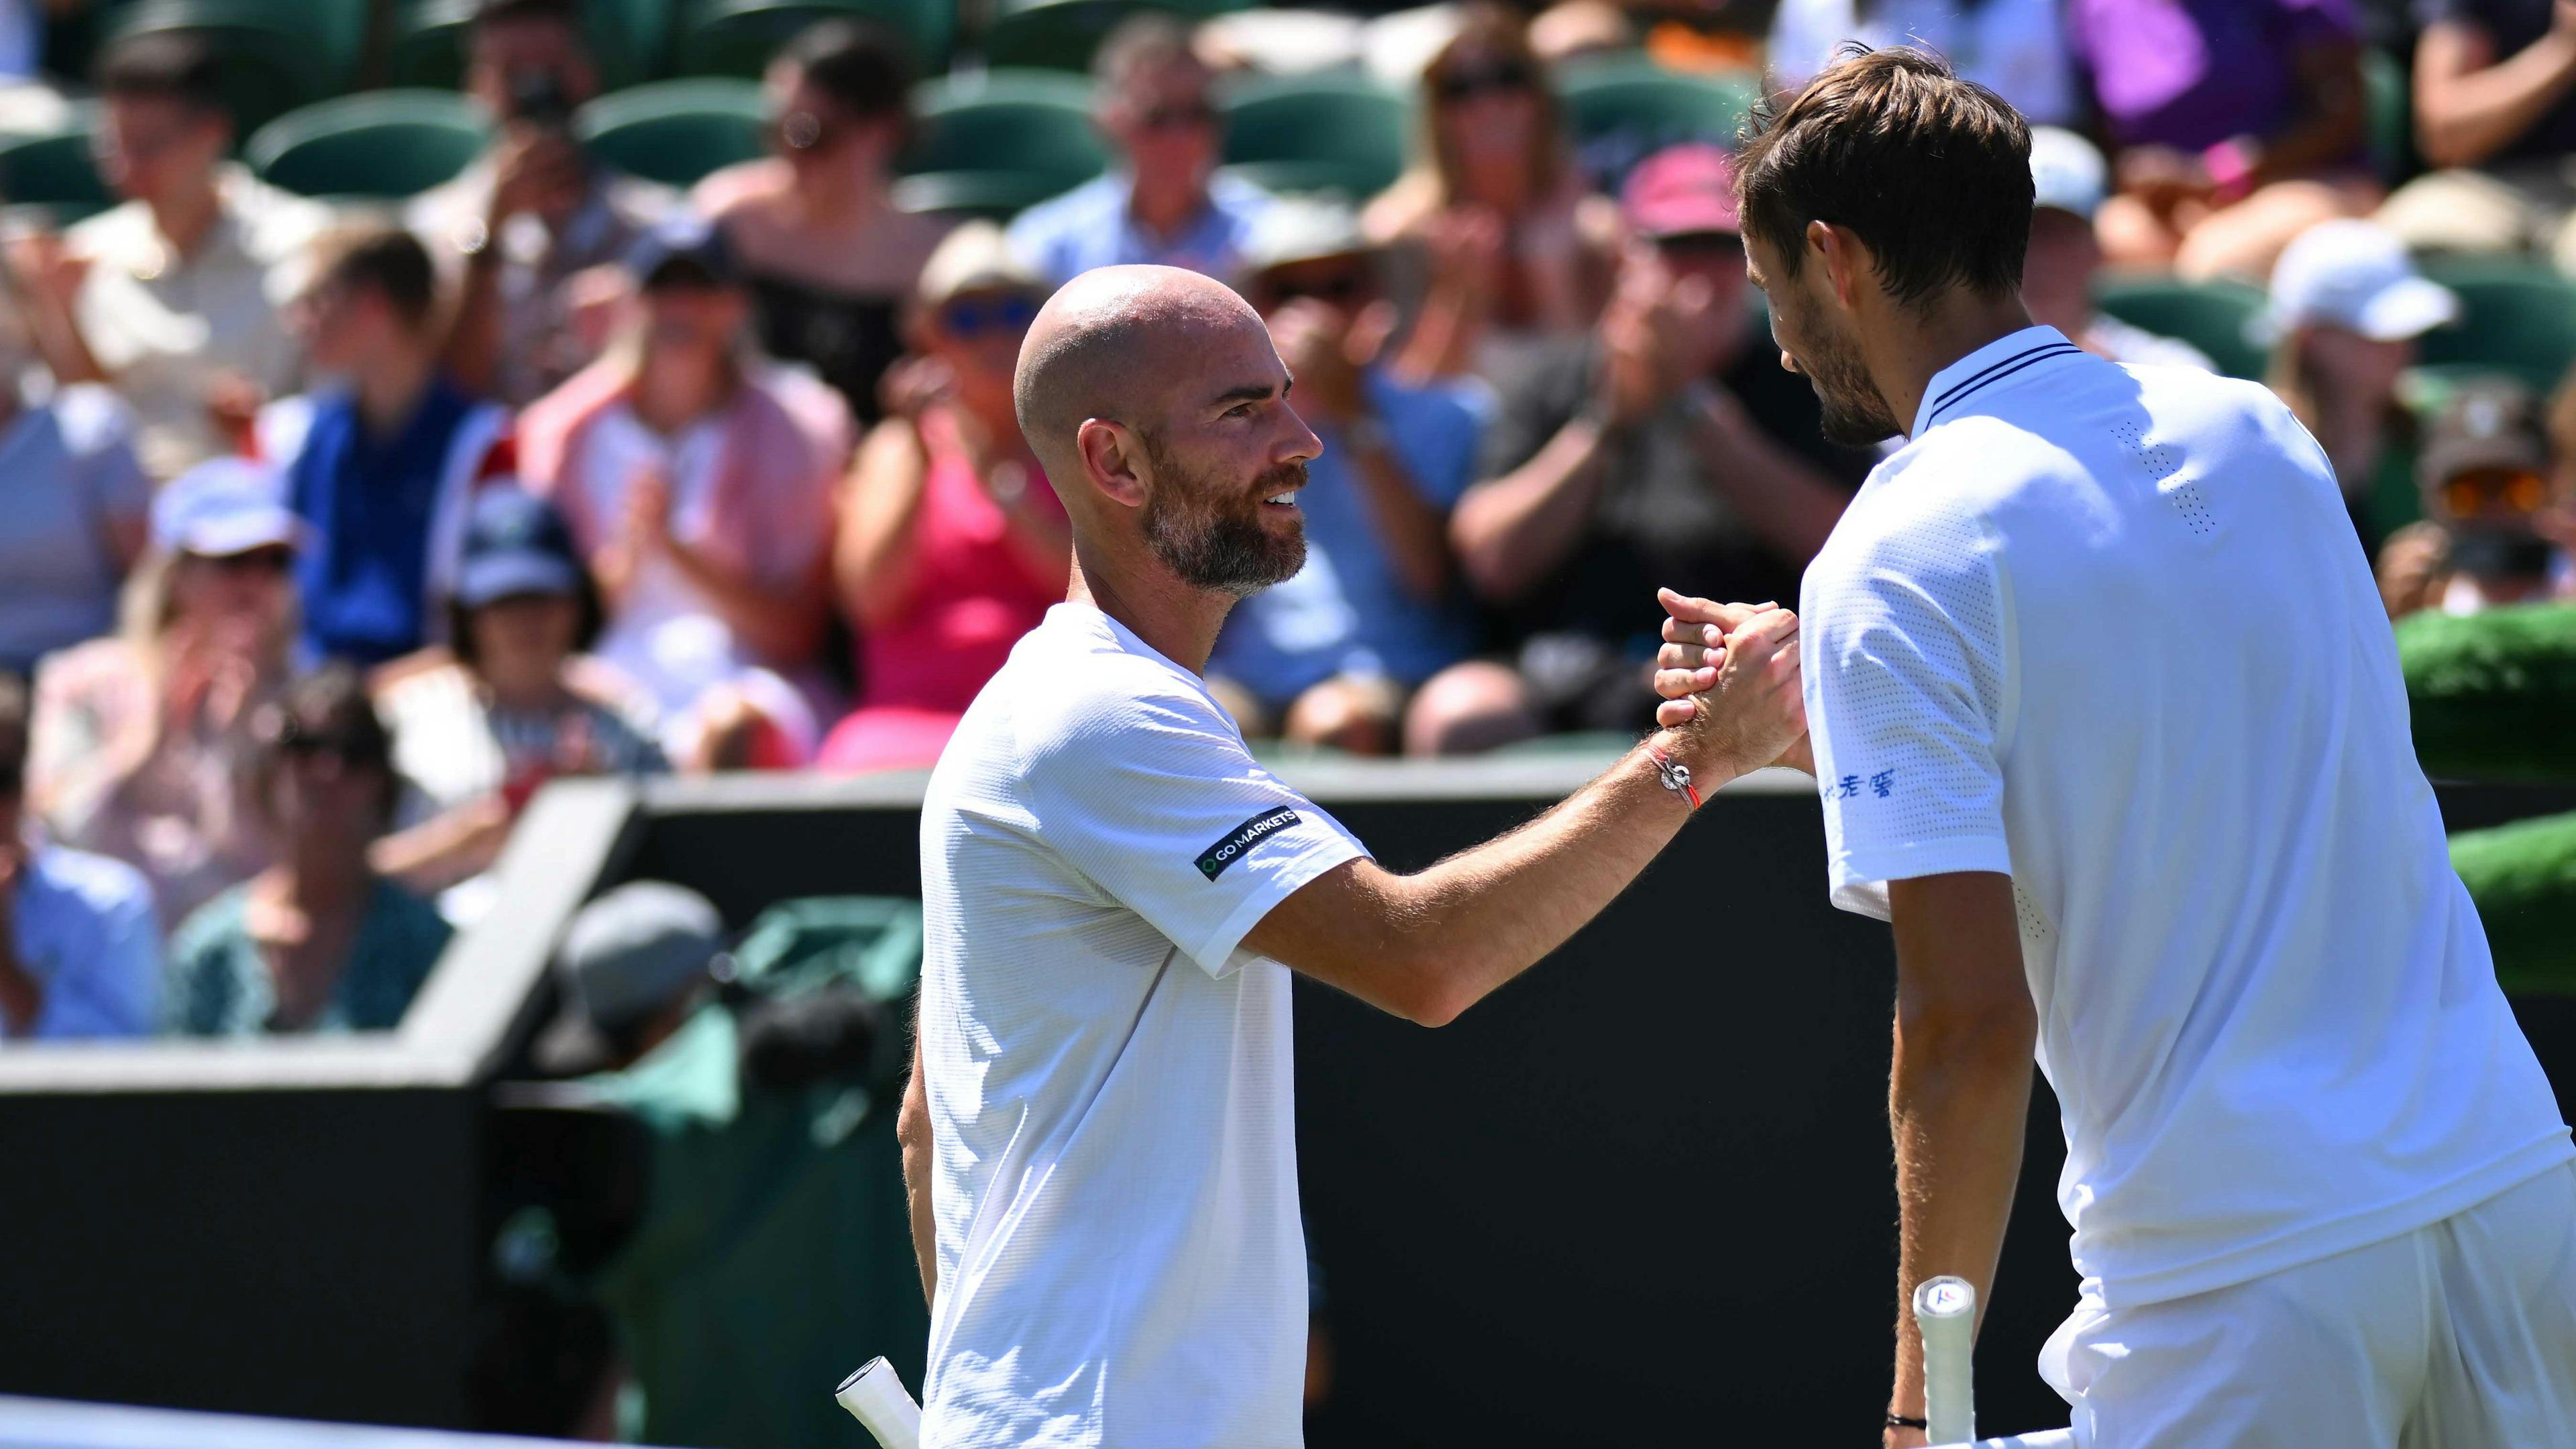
80, 955
2487, 483
951, 542
1331, 656
2346, 309
1670, 448
383, 462
143, 741
514, 234
702, 502
2495, 108
317, 942
171, 298
475, 737
1519, 251
77, 502
2067, 182
2015, 48
1163, 200
826, 254
2234, 126
633, 965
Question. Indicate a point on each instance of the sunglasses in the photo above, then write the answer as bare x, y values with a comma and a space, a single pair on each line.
971, 319
2480, 492
13, 781
1177, 117
269, 561
1467, 85
1341, 289
296, 742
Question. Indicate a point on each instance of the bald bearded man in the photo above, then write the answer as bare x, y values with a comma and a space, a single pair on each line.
1099, 1137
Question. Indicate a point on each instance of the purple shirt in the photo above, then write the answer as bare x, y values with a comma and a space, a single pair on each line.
2193, 73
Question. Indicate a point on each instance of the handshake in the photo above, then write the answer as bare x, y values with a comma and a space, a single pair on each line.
1730, 681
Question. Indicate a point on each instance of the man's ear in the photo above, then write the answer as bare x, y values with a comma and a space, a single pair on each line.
1112, 460
1847, 263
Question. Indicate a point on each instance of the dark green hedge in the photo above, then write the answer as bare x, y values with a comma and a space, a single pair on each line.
2523, 877
2494, 694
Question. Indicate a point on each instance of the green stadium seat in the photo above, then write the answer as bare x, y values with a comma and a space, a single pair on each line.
998, 142
53, 171
2517, 318
1338, 132
738, 37
2212, 316
1635, 101
425, 42
1062, 34
677, 131
2389, 105
371, 144
276, 54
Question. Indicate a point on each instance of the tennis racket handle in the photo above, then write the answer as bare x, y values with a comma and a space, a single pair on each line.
1945, 1312
876, 1397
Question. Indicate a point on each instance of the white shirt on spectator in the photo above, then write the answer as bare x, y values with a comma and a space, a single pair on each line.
666, 633
2015, 48
84, 931
1110, 1077
2107, 630
166, 327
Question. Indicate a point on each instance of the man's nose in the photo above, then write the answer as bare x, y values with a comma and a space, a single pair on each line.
1300, 445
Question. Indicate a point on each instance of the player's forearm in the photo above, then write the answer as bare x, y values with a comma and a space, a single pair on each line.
1430, 945
1957, 1100
912, 1129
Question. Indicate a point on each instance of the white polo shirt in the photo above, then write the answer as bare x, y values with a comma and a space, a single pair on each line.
2107, 629
1120, 1260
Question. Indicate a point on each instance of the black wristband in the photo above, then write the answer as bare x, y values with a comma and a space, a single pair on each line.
1896, 1420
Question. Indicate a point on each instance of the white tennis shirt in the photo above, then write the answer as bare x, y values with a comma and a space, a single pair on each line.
1120, 1261
2108, 630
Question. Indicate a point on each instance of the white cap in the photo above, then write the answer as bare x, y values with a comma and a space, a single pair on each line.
223, 507
2355, 275
1296, 229
2066, 172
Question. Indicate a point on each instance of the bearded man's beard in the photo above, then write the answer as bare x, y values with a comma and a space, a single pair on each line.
1215, 539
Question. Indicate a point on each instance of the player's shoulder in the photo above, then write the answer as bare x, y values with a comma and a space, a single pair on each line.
1078, 685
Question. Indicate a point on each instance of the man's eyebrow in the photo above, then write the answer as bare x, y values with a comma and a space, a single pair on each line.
1250, 392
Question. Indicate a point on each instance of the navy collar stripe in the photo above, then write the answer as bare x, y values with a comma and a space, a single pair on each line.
1967, 382
1983, 379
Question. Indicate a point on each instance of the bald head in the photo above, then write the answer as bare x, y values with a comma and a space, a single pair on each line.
1124, 344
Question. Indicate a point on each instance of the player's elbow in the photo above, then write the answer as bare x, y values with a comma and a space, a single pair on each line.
1986, 1031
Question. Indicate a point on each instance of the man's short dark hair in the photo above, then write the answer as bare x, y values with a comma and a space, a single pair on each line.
566, 13
862, 66
1147, 38
1930, 171
387, 261
167, 65
13, 735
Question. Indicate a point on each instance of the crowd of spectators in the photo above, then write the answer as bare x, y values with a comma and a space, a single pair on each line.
335, 531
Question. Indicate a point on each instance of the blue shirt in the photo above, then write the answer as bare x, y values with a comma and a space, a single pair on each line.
371, 502
1347, 611
1089, 227
85, 931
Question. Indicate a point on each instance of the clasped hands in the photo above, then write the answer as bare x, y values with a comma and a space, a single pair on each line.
1729, 678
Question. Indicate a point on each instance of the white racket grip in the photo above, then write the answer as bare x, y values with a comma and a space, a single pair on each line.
1945, 1311
875, 1396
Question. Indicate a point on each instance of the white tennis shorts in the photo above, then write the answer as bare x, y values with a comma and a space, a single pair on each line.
2461, 1335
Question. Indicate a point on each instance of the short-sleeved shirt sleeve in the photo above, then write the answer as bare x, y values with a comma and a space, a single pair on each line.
1908, 689
1157, 802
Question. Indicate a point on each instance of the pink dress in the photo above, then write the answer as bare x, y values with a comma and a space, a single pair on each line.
973, 596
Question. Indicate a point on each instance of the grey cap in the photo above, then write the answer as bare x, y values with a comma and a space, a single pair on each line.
626, 956
1296, 229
